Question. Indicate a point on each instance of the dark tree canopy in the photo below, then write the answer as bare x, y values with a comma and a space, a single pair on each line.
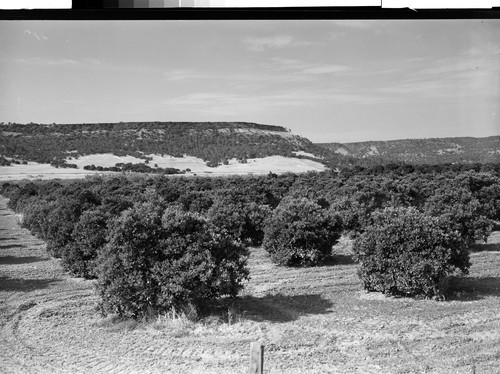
301, 233
406, 252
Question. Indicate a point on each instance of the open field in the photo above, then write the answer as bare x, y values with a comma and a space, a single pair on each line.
276, 164
313, 320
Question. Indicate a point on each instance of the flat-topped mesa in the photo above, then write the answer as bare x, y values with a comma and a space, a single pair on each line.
124, 126
214, 142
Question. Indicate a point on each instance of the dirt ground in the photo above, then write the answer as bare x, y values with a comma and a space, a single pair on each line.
315, 320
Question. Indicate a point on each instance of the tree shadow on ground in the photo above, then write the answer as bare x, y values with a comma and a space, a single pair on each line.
485, 247
339, 260
10, 246
333, 260
15, 260
276, 308
25, 285
473, 288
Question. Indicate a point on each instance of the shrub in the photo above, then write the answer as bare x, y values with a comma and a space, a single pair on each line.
125, 262
17, 196
89, 237
256, 216
301, 233
8, 189
196, 201
232, 216
60, 223
197, 266
356, 206
35, 213
406, 252
468, 215
153, 262
353, 215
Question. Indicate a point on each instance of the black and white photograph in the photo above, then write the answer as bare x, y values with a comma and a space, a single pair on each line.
228, 196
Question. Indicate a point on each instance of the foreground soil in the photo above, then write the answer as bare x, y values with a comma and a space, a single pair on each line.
315, 320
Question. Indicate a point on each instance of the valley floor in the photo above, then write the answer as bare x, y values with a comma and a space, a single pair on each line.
257, 166
315, 320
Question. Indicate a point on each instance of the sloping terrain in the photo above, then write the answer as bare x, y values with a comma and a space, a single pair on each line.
215, 143
310, 320
264, 165
423, 151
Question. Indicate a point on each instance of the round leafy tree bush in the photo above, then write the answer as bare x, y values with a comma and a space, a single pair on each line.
60, 222
154, 261
468, 214
64, 213
301, 233
353, 214
196, 201
89, 236
35, 217
21, 193
233, 216
197, 266
406, 252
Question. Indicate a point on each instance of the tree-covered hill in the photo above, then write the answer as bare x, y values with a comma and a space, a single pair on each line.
214, 142
217, 142
423, 151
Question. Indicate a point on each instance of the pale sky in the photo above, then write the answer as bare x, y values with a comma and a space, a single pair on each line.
330, 81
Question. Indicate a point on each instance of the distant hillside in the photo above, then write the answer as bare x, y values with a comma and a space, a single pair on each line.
214, 142
422, 151
218, 142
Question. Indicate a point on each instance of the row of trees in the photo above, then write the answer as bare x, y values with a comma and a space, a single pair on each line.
6, 162
135, 168
158, 242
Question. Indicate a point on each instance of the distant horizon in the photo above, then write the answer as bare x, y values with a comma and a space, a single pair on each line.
265, 124
329, 81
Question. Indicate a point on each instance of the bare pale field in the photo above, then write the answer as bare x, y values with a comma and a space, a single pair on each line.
276, 164
313, 320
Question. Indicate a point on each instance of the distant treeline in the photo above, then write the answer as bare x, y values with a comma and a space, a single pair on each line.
6, 162
135, 168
